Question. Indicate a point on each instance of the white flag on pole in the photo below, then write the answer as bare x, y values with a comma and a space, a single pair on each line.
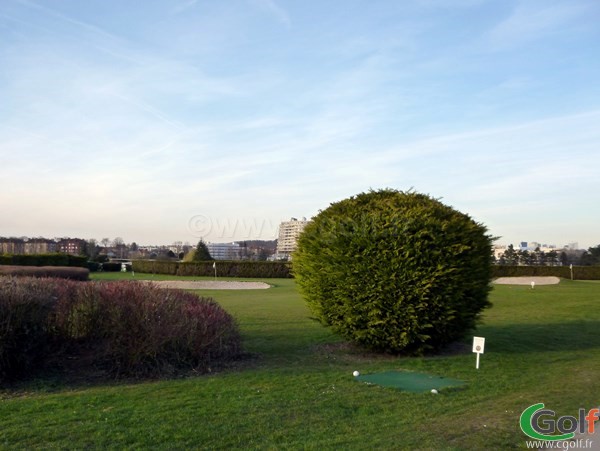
214, 265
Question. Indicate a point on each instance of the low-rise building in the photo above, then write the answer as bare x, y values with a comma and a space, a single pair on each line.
224, 251
36, 246
12, 246
72, 246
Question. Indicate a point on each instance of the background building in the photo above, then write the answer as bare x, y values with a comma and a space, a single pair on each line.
12, 246
36, 246
72, 246
224, 251
289, 231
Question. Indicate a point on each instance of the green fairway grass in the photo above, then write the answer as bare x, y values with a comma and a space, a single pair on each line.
296, 389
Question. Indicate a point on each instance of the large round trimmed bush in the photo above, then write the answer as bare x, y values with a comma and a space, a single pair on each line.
395, 271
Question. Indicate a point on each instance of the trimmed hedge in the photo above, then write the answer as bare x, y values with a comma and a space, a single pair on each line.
124, 328
155, 267
250, 269
94, 266
44, 260
579, 272
60, 272
254, 269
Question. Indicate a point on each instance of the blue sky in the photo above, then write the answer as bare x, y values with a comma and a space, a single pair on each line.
162, 121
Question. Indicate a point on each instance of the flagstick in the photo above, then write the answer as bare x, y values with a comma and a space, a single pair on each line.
215, 267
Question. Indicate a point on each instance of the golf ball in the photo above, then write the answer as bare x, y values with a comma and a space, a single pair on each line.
356, 374
434, 391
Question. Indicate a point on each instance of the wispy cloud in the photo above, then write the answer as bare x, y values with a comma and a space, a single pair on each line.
272, 7
532, 20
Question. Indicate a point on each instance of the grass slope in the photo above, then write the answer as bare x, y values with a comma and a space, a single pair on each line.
542, 345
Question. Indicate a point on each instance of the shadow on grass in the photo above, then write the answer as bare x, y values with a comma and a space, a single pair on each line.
536, 337
56, 379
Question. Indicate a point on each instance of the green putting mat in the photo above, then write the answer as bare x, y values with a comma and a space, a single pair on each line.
409, 381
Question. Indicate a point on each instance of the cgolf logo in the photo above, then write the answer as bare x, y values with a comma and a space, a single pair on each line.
540, 424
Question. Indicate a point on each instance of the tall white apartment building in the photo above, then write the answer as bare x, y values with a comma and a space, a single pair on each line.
289, 231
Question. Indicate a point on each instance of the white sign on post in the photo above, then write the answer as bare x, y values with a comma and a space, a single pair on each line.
478, 348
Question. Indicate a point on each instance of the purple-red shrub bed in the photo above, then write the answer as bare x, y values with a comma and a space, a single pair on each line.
25, 306
122, 328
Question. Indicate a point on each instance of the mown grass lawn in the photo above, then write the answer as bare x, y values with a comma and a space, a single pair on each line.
297, 392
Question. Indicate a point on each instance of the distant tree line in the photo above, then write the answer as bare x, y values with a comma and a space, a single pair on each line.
537, 257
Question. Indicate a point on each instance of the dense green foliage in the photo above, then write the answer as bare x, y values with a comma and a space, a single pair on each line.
155, 266
57, 259
94, 266
61, 272
122, 328
201, 253
395, 271
591, 256
250, 269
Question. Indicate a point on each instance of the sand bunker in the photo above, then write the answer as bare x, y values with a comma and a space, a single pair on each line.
527, 280
210, 285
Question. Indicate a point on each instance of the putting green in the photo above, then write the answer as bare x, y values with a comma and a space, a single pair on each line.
409, 381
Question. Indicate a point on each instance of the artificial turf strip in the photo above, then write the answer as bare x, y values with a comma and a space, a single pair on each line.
409, 381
